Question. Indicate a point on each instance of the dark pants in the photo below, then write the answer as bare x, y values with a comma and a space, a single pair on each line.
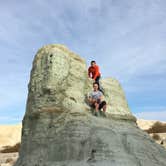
97, 80
101, 105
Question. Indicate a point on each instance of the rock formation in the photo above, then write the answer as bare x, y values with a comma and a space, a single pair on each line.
59, 129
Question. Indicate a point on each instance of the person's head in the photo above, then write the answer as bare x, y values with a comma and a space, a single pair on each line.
93, 63
95, 86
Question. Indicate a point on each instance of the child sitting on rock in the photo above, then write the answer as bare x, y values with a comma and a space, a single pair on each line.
95, 100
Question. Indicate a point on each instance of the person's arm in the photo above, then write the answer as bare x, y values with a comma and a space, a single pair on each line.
91, 100
97, 73
100, 97
89, 73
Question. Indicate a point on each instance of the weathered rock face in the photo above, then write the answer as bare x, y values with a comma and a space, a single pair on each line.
59, 129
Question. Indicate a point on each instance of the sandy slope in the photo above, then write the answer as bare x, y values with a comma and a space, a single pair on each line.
156, 129
145, 124
152, 126
10, 135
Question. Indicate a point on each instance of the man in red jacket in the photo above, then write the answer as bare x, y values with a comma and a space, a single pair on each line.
94, 72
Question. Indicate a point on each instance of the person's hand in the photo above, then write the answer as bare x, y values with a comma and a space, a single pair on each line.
93, 100
98, 101
90, 79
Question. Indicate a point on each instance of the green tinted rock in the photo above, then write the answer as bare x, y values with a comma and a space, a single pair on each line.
59, 128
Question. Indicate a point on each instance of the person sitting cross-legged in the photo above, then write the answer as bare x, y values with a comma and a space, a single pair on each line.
95, 100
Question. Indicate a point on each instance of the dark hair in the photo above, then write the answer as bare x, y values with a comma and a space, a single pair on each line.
93, 62
96, 83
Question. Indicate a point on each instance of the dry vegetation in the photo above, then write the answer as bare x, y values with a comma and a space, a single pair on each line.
11, 149
157, 127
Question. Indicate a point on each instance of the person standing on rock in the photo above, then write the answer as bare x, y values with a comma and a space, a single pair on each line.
93, 72
95, 100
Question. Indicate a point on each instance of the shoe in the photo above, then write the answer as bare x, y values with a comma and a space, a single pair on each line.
104, 114
96, 114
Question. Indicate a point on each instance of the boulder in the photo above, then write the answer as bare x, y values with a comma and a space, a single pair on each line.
59, 128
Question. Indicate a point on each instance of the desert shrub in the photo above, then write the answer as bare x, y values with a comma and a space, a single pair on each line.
156, 136
11, 149
157, 127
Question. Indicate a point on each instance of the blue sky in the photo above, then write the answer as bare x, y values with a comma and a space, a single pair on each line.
126, 37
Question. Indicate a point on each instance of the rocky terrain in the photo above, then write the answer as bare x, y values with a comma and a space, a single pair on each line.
59, 128
12, 133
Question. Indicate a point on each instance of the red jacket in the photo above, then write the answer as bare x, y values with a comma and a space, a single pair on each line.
93, 72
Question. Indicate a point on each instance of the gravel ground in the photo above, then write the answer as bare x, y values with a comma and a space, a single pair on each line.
8, 159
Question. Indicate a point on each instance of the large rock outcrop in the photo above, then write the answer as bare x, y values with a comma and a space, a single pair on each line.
59, 129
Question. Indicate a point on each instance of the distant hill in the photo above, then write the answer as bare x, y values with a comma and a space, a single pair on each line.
156, 129
9, 135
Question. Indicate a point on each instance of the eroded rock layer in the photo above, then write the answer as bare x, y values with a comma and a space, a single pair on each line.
59, 129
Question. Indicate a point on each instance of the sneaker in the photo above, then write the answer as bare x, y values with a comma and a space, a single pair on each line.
96, 114
104, 114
